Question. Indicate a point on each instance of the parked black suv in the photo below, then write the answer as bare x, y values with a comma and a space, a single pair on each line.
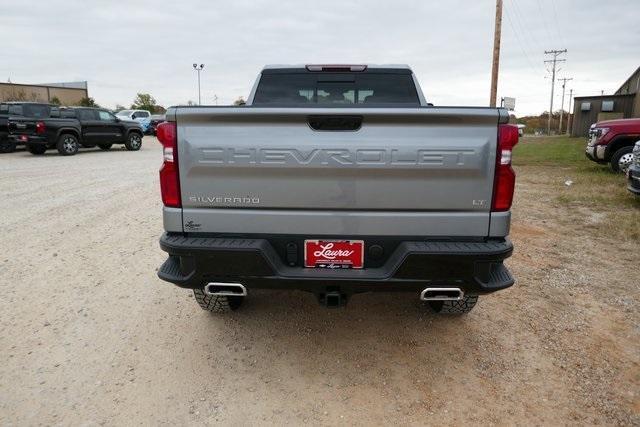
35, 110
73, 127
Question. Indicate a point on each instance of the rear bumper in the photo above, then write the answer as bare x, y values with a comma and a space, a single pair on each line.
633, 179
29, 139
475, 267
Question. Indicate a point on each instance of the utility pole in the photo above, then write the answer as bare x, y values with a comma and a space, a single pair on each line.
564, 83
553, 61
496, 54
198, 68
570, 117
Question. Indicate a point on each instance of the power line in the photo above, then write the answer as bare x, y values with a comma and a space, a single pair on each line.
520, 44
544, 21
528, 36
555, 18
553, 61
534, 44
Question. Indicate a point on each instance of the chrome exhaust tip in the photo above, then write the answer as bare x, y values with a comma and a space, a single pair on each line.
225, 289
441, 294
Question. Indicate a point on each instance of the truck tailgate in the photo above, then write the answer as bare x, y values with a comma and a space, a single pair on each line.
22, 125
420, 164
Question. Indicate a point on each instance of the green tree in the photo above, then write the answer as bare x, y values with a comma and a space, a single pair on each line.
120, 107
144, 101
87, 101
55, 101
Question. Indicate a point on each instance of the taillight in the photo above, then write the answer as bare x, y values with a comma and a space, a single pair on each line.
505, 179
169, 177
40, 128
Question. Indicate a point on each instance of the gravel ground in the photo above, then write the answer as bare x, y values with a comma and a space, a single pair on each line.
89, 335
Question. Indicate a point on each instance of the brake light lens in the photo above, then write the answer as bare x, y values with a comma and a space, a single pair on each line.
169, 176
505, 178
336, 68
40, 128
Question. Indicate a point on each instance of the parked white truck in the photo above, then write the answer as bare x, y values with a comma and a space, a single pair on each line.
337, 179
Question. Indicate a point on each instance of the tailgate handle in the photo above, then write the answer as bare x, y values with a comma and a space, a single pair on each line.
341, 122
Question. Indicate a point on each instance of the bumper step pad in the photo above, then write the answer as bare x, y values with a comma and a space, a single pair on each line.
475, 266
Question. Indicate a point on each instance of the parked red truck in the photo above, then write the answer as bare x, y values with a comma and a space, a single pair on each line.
611, 141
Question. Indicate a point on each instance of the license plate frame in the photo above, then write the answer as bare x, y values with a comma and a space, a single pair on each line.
321, 253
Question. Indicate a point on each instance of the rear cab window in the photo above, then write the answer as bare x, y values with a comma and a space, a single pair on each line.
372, 87
36, 111
15, 110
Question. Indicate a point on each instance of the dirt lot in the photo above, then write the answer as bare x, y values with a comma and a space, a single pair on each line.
89, 335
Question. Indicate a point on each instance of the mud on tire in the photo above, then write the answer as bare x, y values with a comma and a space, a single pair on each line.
217, 304
463, 306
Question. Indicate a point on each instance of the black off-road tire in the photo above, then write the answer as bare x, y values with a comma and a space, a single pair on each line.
216, 304
133, 142
68, 144
615, 159
105, 147
7, 146
36, 149
463, 306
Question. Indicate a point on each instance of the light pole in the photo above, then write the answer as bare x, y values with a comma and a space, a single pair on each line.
198, 68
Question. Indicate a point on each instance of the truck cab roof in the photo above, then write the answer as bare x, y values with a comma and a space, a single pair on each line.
352, 67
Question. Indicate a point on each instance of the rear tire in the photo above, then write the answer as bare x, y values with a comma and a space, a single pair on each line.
7, 146
67, 144
105, 147
462, 306
134, 141
217, 304
621, 159
37, 149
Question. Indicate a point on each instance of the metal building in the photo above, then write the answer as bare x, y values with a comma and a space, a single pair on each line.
69, 93
623, 104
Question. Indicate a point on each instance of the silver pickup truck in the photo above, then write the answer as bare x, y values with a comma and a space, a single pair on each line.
337, 180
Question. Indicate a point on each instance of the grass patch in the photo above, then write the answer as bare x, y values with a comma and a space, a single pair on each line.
549, 151
593, 186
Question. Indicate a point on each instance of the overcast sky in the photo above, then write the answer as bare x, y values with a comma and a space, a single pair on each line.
124, 47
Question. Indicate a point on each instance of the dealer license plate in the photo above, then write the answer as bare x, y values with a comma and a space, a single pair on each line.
334, 253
